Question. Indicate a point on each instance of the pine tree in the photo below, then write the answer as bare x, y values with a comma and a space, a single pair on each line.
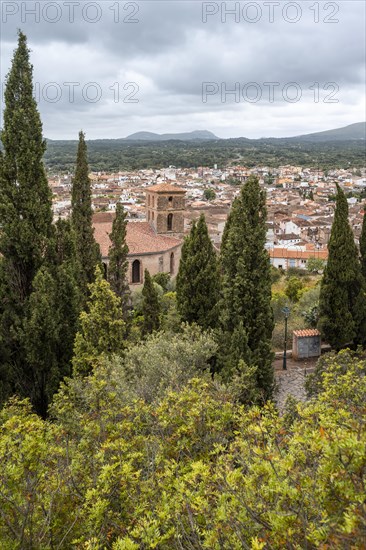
342, 303
102, 328
363, 245
150, 306
197, 279
25, 212
118, 263
87, 249
246, 287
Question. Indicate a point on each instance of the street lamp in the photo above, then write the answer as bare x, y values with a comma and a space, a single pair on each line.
286, 312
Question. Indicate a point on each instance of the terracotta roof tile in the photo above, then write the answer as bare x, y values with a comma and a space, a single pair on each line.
306, 332
141, 237
279, 252
165, 188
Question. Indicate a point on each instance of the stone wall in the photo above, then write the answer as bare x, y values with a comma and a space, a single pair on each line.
154, 263
177, 203
161, 224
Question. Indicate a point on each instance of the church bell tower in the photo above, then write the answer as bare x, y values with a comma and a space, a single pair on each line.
165, 205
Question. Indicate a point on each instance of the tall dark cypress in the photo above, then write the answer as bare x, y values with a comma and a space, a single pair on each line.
41, 338
342, 303
25, 213
118, 263
246, 287
87, 249
363, 245
150, 306
68, 300
51, 319
25, 197
198, 279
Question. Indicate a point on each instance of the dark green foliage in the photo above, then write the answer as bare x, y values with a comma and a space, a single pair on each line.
150, 306
25, 198
87, 249
342, 305
52, 319
162, 279
246, 314
42, 339
311, 316
114, 155
276, 274
25, 213
197, 280
66, 269
209, 194
118, 263
363, 245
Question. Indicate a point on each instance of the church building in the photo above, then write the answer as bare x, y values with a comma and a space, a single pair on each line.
154, 244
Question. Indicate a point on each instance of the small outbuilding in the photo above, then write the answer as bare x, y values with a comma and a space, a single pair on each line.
306, 343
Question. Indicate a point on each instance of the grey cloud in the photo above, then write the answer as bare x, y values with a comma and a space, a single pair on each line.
170, 52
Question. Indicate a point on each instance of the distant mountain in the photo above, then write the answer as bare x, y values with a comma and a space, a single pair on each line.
353, 131
185, 136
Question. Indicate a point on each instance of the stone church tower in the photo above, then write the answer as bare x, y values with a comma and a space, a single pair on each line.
165, 205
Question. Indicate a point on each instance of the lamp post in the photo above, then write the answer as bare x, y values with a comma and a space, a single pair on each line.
286, 312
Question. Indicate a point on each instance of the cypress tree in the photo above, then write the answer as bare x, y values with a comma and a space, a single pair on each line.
150, 306
25, 212
118, 263
66, 269
342, 302
197, 279
51, 320
363, 245
41, 343
87, 249
246, 287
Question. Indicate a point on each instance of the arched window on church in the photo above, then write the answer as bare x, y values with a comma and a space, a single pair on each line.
170, 222
172, 263
136, 270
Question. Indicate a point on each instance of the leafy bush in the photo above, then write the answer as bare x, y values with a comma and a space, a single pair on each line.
315, 265
338, 364
293, 289
278, 302
162, 279
276, 274
296, 272
191, 469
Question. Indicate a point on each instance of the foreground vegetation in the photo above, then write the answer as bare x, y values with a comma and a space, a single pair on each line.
126, 463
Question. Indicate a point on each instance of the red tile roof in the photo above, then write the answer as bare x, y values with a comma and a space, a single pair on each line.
306, 332
141, 237
165, 188
278, 252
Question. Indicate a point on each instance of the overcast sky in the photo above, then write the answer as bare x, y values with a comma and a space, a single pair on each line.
113, 68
